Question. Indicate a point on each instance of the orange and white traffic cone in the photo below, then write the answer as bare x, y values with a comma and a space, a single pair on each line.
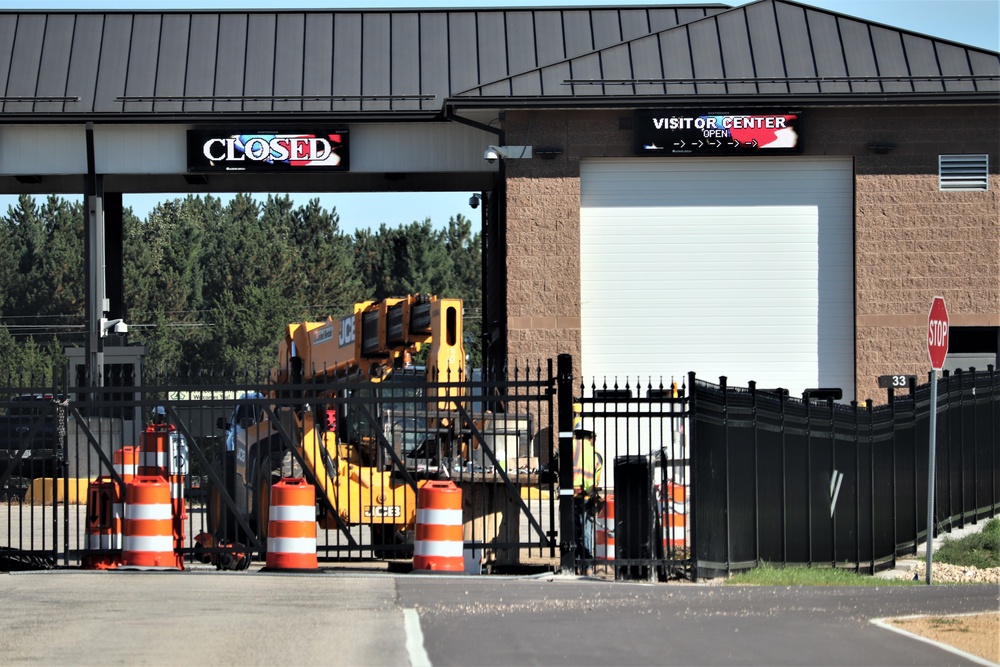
291, 526
438, 543
149, 526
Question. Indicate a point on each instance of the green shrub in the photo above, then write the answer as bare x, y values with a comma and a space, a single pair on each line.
980, 549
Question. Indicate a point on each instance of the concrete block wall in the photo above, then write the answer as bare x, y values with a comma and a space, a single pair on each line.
543, 227
912, 242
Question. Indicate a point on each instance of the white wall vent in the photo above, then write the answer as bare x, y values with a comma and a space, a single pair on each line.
963, 172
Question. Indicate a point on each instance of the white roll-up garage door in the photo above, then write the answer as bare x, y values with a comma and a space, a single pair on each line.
741, 267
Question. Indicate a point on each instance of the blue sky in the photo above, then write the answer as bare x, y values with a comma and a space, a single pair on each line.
972, 22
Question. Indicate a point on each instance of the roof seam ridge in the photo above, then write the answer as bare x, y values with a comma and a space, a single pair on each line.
594, 51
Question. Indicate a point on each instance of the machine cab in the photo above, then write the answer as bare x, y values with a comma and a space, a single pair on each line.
246, 415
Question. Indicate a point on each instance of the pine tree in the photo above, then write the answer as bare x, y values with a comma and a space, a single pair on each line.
325, 280
209, 285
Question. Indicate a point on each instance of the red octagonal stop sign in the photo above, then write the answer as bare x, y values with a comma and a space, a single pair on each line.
937, 333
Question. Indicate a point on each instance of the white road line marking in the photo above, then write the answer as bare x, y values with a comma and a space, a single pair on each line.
415, 639
885, 624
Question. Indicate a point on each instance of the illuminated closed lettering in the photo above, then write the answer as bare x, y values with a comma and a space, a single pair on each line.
264, 149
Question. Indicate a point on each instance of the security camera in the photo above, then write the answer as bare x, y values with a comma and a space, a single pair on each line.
115, 326
474, 201
494, 153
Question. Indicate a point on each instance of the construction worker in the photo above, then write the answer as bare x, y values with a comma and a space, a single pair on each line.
587, 467
159, 416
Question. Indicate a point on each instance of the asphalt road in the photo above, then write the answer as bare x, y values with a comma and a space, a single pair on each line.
562, 622
331, 618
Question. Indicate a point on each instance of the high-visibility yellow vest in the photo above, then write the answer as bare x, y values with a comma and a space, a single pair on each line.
587, 466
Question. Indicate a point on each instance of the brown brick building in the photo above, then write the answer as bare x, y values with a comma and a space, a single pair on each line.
911, 242
771, 192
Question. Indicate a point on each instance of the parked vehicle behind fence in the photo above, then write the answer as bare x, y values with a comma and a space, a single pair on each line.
29, 443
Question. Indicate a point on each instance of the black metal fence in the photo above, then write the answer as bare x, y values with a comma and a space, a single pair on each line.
699, 480
777, 479
68, 452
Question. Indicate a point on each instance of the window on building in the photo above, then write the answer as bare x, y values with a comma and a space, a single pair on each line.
963, 173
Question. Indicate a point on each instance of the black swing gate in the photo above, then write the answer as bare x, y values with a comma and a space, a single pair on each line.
642, 526
230, 442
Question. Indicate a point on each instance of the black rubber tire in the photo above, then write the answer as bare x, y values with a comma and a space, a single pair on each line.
400, 542
228, 530
261, 506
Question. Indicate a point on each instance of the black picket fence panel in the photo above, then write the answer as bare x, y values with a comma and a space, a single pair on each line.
789, 481
503, 423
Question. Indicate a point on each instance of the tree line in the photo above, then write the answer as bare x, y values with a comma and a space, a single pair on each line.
210, 286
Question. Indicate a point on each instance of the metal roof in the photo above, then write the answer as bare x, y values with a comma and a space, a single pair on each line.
771, 49
123, 66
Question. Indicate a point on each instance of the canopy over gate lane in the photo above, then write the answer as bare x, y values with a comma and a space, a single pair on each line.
102, 103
